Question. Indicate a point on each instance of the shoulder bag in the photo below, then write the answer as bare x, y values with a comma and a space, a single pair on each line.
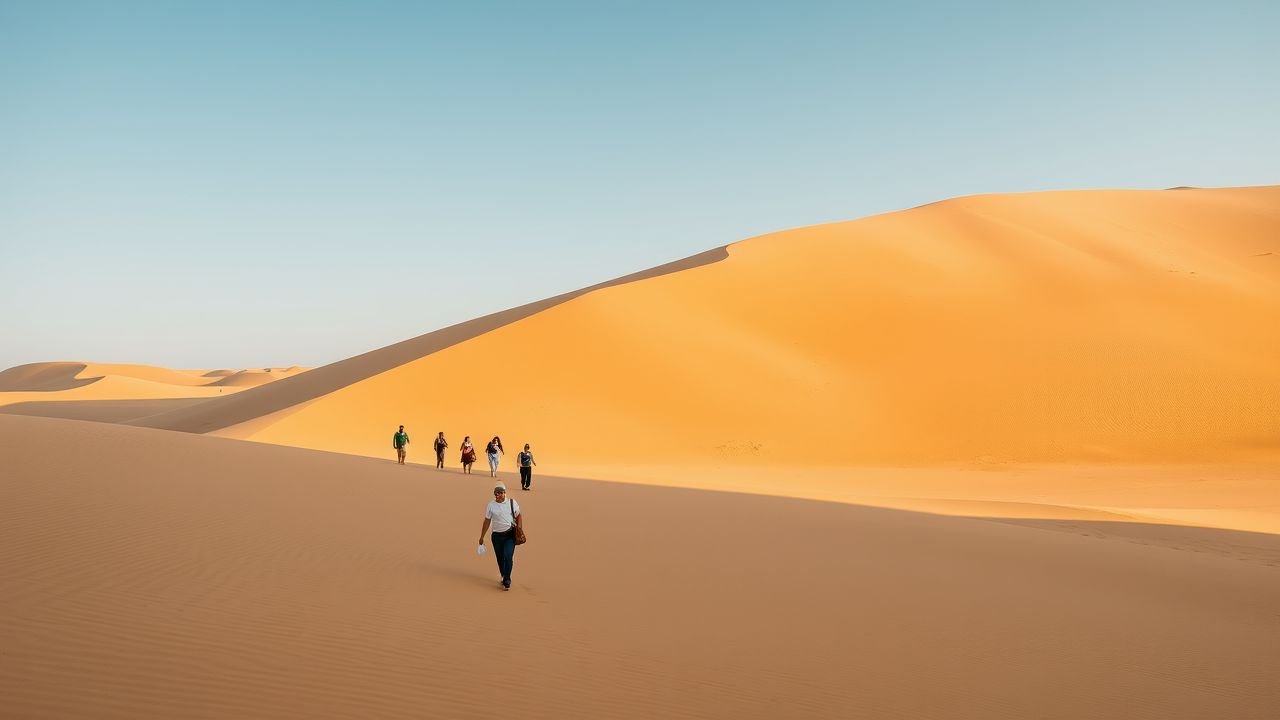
519, 531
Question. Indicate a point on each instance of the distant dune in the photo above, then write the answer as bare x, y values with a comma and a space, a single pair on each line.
1133, 326
148, 574
109, 392
44, 377
253, 378
55, 376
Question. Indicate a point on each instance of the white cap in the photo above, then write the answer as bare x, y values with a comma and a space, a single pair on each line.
501, 485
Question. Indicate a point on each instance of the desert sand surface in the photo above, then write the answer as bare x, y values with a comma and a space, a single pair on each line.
1039, 328
146, 573
1230, 496
113, 392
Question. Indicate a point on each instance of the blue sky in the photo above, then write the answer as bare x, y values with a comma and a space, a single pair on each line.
201, 184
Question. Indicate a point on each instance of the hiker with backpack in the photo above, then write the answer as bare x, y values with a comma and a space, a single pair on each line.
494, 451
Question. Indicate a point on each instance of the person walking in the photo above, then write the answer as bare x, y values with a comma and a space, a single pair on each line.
468, 455
400, 441
503, 516
526, 462
441, 446
494, 451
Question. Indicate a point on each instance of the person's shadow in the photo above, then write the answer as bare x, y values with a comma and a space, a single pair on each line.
459, 577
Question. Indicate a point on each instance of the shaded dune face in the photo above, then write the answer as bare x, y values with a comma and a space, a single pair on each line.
1044, 327
54, 377
44, 377
313, 384
58, 376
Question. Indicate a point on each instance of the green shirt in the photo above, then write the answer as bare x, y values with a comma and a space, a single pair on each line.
401, 439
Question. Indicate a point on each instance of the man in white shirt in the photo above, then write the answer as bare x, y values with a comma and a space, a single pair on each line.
504, 516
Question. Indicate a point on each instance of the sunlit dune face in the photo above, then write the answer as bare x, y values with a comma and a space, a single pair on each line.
1051, 327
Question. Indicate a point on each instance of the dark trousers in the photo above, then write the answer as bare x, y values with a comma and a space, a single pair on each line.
440, 457
526, 477
504, 551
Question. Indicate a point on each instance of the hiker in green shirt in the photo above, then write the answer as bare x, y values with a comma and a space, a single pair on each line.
398, 441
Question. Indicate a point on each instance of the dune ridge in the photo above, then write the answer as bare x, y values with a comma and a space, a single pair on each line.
335, 376
1057, 327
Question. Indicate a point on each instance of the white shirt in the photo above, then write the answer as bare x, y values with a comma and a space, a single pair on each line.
500, 514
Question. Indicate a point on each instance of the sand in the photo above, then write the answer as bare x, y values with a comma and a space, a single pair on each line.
997, 457
57, 376
112, 392
152, 574
1229, 496
1041, 328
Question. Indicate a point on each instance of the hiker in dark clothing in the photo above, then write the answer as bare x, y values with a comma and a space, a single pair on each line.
441, 446
526, 462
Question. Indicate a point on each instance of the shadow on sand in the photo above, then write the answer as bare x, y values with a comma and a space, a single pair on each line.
1252, 547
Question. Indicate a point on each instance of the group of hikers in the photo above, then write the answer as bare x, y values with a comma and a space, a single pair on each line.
493, 450
502, 518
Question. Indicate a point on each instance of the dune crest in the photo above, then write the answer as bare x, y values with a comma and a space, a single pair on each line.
319, 382
1092, 326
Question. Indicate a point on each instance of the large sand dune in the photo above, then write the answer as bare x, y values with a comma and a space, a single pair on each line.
154, 574
335, 376
1134, 326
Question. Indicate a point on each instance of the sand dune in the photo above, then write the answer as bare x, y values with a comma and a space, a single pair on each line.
44, 377
321, 381
253, 378
107, 392
1062, 327
154, 574
53, 376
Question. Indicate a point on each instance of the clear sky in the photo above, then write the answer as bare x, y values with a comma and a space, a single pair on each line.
227, 184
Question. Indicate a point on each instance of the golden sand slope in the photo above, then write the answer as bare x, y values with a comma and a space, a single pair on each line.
1048, 327
154, 574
